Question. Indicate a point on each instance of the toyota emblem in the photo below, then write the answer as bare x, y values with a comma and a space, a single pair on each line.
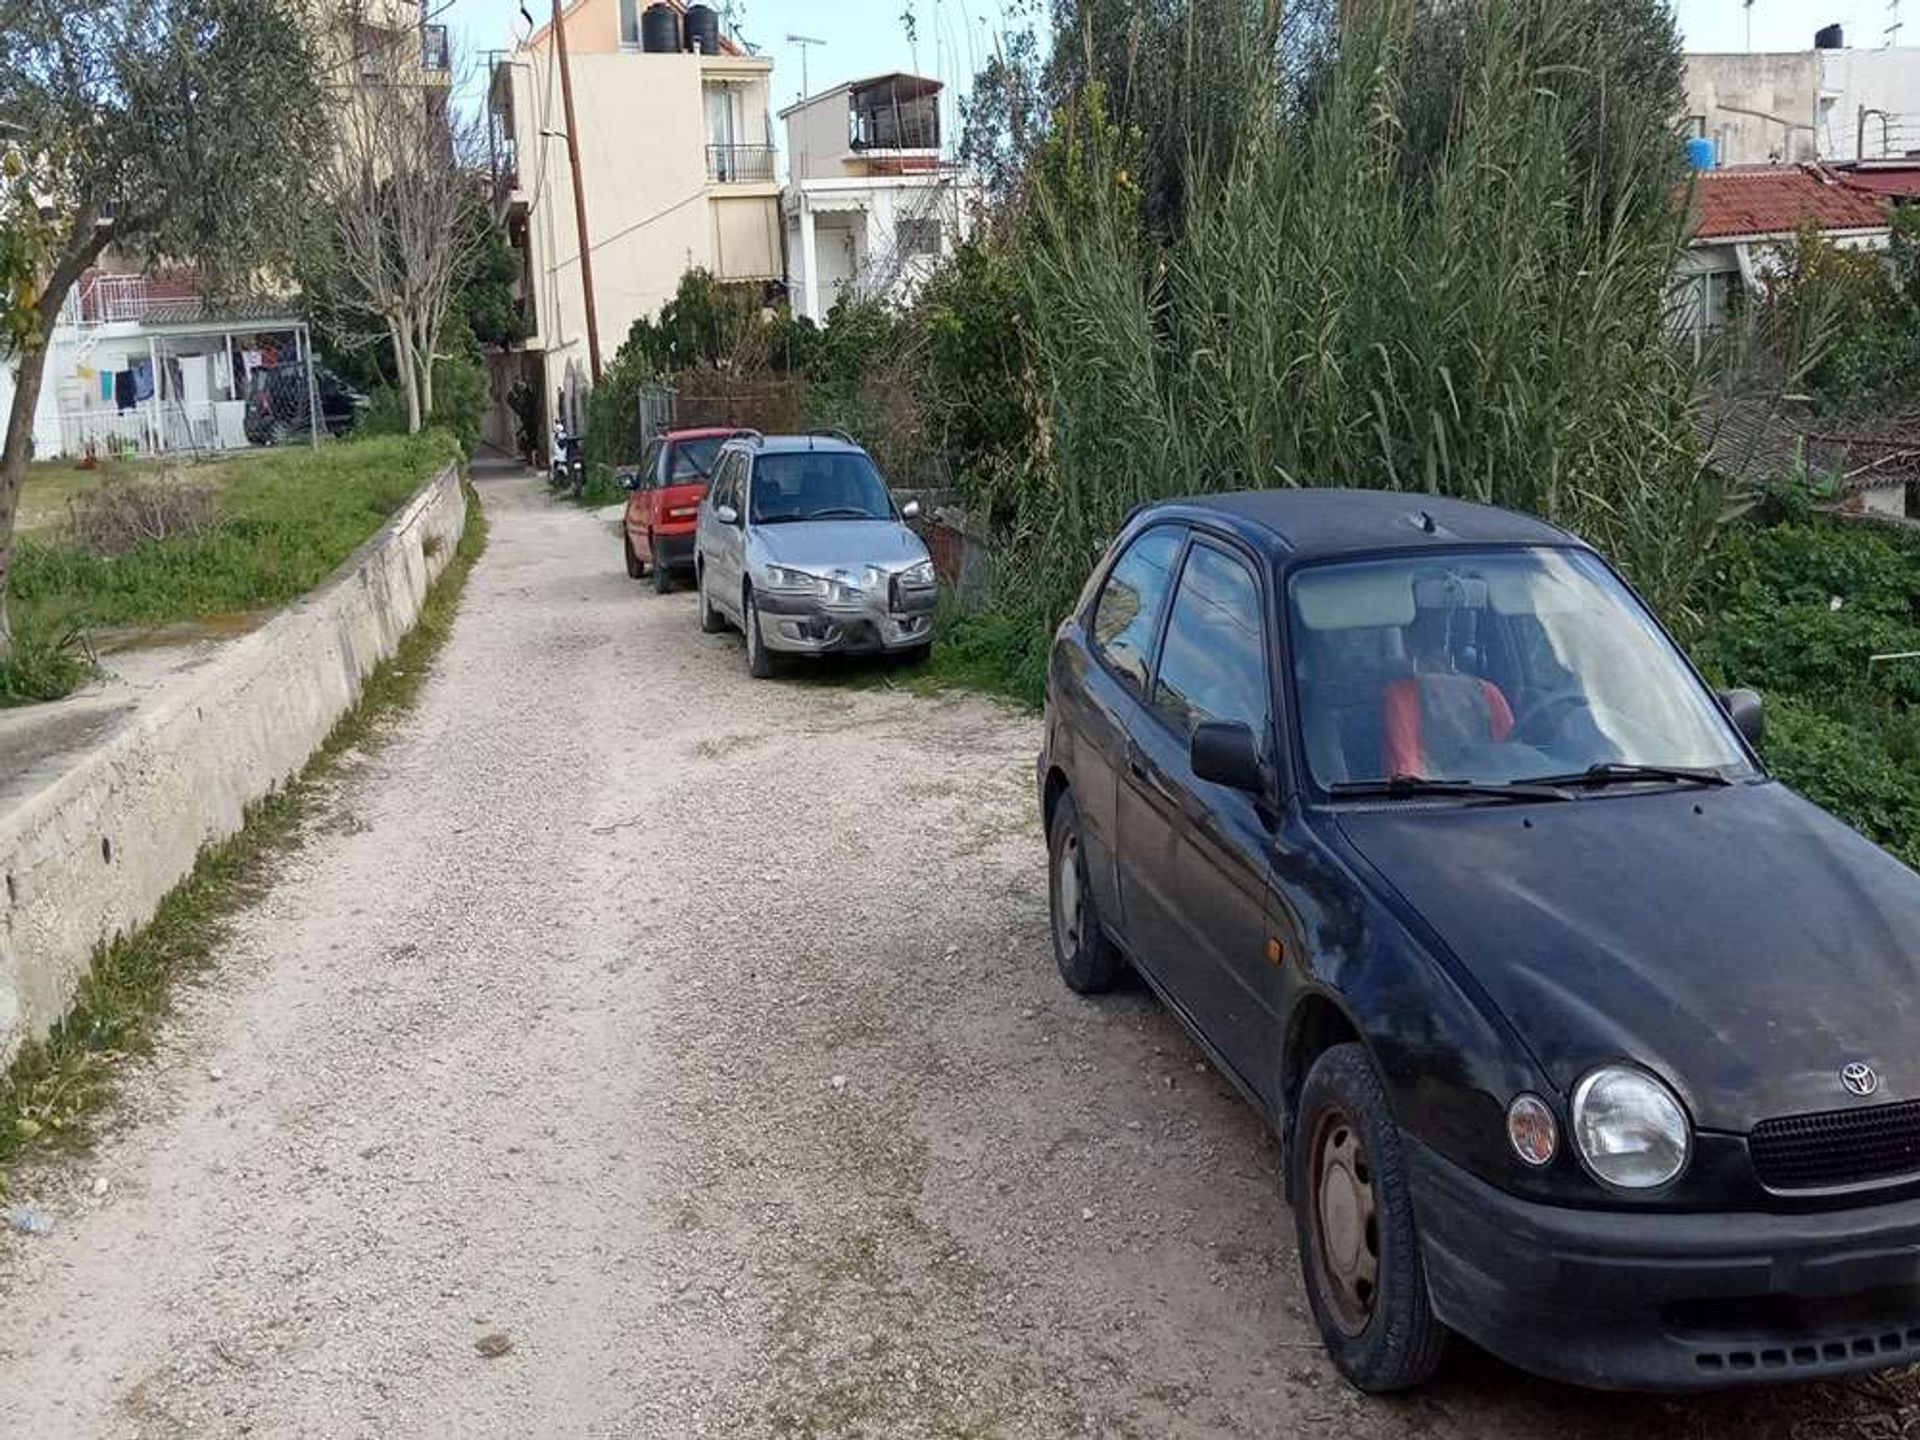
1860, 1079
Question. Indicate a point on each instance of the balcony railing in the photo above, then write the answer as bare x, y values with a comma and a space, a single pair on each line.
434, 53
740, 164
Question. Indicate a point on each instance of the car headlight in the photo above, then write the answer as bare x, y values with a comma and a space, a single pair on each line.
782, 577
1629, 1128
920, 575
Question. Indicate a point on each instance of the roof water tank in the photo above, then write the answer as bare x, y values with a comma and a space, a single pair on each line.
1701, 153
703, 29
660, 30
1830, 37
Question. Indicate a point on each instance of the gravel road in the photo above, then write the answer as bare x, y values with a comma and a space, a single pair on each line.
692, 1043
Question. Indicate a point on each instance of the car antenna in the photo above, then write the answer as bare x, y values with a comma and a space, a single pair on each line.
1427, 522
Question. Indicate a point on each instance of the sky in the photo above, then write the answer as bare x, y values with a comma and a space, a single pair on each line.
867, 37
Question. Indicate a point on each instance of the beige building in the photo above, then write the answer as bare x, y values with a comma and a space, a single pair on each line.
1828, 105
677, 165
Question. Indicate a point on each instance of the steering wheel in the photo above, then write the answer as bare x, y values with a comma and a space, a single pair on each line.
1557, 705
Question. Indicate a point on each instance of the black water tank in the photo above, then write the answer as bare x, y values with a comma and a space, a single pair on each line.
1829, 37
660, 30
703, 29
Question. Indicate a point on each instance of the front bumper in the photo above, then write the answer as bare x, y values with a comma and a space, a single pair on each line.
877, 623
1660, 1301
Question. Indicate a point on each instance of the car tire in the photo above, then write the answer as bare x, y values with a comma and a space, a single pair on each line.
634, 568
662, 572
1353, 1215
1089, 962
711, 622
760, 662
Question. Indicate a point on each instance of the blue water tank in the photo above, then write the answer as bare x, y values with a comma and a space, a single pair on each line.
1701, 153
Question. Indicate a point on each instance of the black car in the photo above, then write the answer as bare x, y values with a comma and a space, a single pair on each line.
1584, 1037
279, 402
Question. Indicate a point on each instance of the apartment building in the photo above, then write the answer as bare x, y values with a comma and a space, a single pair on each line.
871, 206
677, 167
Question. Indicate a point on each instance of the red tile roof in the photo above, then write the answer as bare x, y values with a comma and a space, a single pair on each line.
1899, 180
1743, 201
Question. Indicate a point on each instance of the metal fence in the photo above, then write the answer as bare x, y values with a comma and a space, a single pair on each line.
740, 164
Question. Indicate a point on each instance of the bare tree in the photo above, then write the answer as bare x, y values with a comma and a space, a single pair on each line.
405, 214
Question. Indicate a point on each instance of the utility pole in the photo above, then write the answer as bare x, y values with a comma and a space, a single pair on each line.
579, 193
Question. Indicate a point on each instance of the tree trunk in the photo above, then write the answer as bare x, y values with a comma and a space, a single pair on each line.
424, 357
409, 374
85, 245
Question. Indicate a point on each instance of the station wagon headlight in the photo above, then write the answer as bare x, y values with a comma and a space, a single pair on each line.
1629, 1128
918, 576
783, 577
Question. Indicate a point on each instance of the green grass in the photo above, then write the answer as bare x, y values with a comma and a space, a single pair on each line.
287, 521
56, 1087
47, 663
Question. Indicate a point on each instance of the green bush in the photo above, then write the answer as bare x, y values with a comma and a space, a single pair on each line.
46, 663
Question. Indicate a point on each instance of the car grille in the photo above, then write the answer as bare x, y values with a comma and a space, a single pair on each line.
1838, 1147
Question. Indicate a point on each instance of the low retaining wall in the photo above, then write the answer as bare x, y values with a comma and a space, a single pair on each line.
91, 853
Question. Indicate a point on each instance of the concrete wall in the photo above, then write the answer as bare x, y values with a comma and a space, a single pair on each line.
1805, 104
91, 853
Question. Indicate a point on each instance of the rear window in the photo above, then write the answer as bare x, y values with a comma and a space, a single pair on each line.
1127, 613
693, 459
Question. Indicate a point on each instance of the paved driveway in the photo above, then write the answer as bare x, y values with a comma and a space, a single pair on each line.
696, 1040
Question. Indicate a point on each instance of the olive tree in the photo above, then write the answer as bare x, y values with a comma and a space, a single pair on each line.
181, 129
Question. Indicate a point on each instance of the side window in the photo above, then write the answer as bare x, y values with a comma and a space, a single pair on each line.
1131, 601
1213, 665
650, 466
729, 486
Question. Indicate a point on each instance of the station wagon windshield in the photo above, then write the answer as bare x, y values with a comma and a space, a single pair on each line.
818, 485
1491, 668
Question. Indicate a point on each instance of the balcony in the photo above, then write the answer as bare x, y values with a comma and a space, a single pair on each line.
740, 164
435, 54
899, 112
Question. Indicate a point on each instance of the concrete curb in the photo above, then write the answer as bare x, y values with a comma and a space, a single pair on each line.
91, 853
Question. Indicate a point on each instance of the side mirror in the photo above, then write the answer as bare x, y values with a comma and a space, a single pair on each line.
726, 514
1748, 714
1225, 753
910, 510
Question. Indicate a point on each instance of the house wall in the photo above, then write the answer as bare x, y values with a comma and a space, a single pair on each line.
817, 138
1814, 99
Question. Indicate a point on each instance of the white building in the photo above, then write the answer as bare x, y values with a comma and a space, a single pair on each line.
138, 365
1831, 105
871, 207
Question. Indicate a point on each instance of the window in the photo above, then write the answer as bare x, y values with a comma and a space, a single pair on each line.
918, 237
1213, 664
650, 466
1128, 610
630, 24
694, 459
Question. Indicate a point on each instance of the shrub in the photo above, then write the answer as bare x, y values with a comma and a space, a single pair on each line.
113, 519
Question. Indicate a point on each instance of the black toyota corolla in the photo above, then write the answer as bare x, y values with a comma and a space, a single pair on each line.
1585, 1038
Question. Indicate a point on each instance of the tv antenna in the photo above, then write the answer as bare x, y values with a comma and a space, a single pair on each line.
806, 43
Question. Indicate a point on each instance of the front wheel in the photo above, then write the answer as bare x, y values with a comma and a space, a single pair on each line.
710, 621
1088, 961
759, 658
1353, 1214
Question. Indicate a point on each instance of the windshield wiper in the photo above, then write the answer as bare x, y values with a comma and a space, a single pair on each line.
850, 511
1619, 772
1413, 787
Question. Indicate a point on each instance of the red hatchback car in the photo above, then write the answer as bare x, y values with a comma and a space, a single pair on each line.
664, 499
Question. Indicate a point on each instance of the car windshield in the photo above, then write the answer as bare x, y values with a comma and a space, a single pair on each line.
693, 459
1504, 666
818, 485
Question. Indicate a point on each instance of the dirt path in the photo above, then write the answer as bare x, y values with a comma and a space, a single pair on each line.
698, 1035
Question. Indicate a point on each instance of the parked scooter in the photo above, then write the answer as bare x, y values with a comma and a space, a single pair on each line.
569, 471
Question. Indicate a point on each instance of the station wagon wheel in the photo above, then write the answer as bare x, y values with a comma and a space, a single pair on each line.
1353, 1212
759, 659
1088, 959
1345, 1221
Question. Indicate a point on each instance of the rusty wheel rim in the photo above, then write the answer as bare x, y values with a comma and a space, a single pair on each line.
1345, 1220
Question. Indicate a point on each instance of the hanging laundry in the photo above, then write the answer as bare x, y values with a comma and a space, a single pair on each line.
106, 386
143, 380
123, 389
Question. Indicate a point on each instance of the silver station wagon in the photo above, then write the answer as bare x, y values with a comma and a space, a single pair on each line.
800, 545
